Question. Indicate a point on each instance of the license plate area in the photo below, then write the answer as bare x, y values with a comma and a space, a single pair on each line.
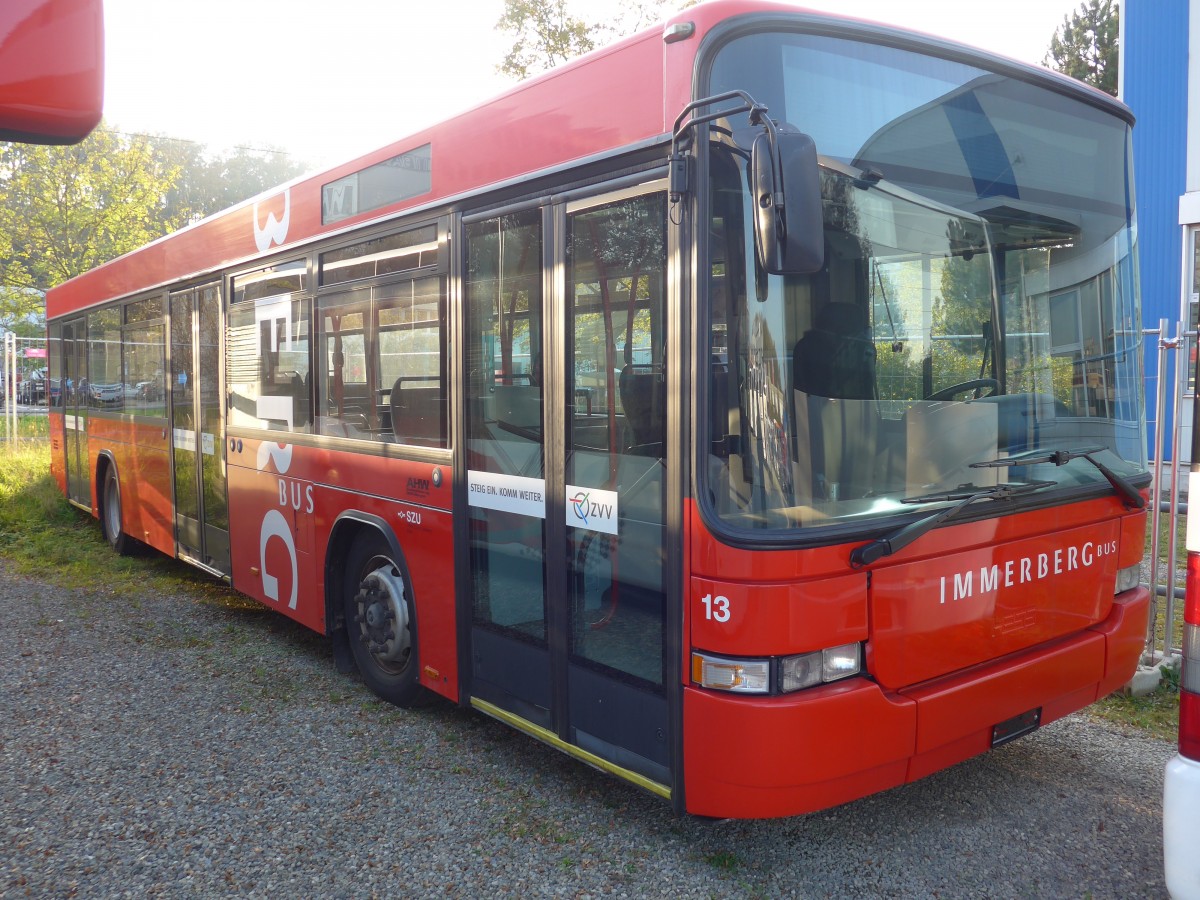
1017, 726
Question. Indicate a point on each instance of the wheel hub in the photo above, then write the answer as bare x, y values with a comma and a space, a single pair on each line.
383, 616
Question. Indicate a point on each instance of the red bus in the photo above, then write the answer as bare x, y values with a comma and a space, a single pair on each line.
751, 409
51, 70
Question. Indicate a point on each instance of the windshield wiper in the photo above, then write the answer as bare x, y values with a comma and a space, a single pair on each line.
1132, 498
900, 538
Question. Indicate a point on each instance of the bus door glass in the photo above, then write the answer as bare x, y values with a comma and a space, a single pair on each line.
566, 408
506, 465
201, 512
614, 473
74, 400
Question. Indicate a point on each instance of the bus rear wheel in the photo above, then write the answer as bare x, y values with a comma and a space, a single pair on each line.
381, 622
110, 514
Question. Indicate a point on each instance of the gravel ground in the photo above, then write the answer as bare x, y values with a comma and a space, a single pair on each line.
166, 746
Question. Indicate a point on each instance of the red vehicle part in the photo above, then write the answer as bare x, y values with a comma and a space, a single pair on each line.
946, 677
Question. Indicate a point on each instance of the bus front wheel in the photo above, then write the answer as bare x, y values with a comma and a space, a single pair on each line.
381, 622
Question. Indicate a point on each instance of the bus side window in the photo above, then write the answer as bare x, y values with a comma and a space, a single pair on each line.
268, 376
382, 358
412, 360
345, 402
269, 381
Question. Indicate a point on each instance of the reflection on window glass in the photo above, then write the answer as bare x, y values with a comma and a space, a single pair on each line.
143, 376
616, 435
384, 364
381, 256
105, 389
268, 377
144, 310
273, 281
55, 354
503, 356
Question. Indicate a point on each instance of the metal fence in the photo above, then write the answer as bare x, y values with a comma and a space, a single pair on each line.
25, 388
1168, 492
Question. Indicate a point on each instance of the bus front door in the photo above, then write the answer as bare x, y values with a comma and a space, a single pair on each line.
566, 474
197, 428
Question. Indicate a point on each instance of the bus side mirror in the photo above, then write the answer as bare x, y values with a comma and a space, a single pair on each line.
51, 70
789, 228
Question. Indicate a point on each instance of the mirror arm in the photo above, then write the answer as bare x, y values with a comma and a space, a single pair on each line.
685, 123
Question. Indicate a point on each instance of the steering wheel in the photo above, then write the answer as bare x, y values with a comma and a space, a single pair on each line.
975, 384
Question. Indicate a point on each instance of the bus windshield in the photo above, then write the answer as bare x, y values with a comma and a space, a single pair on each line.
978, 299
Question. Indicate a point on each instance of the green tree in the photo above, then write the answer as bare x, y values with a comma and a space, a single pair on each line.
1086, 45
209, 183
21, 311
65, 210
546, 34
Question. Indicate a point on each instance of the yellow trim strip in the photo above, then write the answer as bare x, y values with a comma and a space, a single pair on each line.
549, 737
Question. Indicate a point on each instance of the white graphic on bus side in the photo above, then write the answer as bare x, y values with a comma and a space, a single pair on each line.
275, 231
275, 525
279, 456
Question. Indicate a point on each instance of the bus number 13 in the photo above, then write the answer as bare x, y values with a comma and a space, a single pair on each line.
716, 608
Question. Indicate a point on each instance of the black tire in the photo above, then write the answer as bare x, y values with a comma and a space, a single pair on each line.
110, 514
381, 623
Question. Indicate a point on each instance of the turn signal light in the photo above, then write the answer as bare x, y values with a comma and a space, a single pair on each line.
742, 676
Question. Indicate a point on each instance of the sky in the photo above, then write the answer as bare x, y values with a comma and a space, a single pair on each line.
327, 80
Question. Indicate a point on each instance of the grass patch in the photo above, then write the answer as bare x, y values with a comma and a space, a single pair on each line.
723, 860
43, 536
29, 427
1156, 714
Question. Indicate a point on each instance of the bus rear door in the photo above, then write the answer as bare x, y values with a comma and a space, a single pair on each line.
198, 428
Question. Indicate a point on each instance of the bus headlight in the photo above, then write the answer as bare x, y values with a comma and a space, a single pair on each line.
1128, 578
819, 667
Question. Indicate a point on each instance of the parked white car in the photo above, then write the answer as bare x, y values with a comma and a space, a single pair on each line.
107, 394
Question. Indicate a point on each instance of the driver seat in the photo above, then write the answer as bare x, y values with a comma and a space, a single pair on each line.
836, 410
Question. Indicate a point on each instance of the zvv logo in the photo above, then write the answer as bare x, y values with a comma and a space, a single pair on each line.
592, 508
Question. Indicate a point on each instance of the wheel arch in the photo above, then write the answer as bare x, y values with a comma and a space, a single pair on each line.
348, 528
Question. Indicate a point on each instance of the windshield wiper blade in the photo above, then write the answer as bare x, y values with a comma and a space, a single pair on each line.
901, 537
1132, 498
